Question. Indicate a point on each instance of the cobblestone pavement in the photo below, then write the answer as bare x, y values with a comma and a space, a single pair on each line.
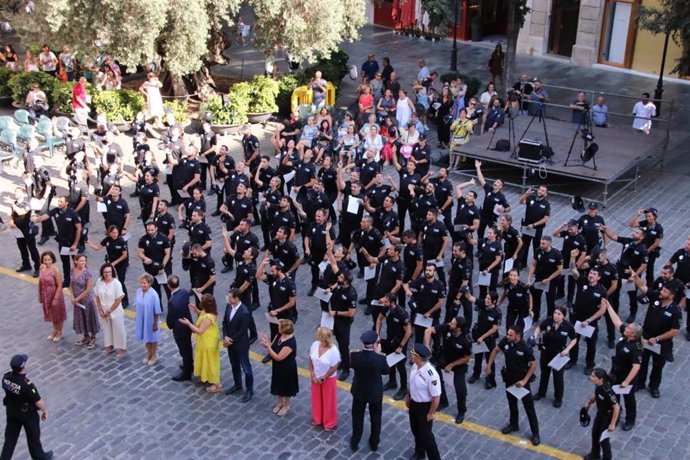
100, 408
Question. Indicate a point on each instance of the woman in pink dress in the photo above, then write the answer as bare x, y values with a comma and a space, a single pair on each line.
50, 295
85, 314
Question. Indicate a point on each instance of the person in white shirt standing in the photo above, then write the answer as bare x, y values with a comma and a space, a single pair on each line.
643, 110
423, 398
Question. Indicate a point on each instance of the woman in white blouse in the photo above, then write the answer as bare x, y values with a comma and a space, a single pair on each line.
373, 140
324, 359
109, 295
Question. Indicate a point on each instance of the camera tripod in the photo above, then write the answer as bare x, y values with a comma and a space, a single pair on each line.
585, 129
540, 115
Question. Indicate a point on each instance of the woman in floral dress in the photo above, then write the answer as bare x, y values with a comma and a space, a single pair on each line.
85, 314
50, 295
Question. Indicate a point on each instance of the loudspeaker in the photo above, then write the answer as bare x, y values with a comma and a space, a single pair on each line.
530, 151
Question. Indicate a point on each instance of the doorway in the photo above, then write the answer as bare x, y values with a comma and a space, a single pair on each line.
563, 34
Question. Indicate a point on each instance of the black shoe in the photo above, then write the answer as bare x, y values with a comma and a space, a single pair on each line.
311, 291
134, 195
489, 385
591, 457
264, 248
353, 447
390, 385
536, 440
362, 301
373, 447
210, 192
267, 359
569, 365
442, 405
215, 214
41, 242
400, 395
630, 319
473, 378
360, 275
557, 403
35, 274
459, 418
23, 268
343, 374
247, 396
627, 426
538, 396
182, 378
654, 392
588, 370
48, 455
227, 268
670, 358
509, 429
612, 344
233, 389
640, 386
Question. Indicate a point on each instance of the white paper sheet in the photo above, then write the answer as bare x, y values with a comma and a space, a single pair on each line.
127, 236
394, 358
629, 286
197, 293
327, 320
581, 329
508, 265
528, 231
162, 278
271, 319
323, 294
448, 377
606, 434
558, 362
183, 193
83, 307
322, 266
687, 293
101, 207
36, 204
352, 206
289, 176
293, 193
528, 323
656, 348
519, 393
435, 263
441, 217
620, 390
369, 273
167, 171
479, 348
420, 320
28, 181
386, 243
498, 209
541, 286
376, 303
65, 251
484, 279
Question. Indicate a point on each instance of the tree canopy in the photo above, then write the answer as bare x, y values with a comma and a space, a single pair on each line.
673, 17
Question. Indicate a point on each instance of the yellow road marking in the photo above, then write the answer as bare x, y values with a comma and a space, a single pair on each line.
440, 417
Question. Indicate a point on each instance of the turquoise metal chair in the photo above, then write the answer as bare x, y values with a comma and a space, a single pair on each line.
23, 117
50, 141
7, 122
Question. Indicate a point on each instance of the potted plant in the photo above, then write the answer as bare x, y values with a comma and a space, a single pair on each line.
119, 106
20, 84
179, 112
230, 110
262, 102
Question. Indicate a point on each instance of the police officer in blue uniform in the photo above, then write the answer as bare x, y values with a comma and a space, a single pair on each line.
22, 403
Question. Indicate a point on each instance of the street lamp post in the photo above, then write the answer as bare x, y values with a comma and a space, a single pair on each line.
454, 51
660, 83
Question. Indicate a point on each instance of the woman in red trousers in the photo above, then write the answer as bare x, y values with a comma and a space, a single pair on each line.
324, 359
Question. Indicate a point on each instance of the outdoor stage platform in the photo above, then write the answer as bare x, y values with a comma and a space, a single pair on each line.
621, 152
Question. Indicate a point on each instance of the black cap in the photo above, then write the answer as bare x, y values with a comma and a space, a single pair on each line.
422, 137
572, 223
369, 337
18, 362
652, 211
421, 350
592, 205
577, 203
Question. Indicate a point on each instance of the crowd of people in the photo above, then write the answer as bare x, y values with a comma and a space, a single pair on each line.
433, 282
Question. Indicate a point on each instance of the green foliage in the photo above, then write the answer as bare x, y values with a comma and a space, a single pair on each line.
441, 14
235, 111
473, 84
286, 86
62, 96
179, 109
20, 84
5, 74
333, 69
119, 105
264, 91
671, 18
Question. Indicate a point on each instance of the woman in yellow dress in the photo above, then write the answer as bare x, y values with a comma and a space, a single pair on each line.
208, 344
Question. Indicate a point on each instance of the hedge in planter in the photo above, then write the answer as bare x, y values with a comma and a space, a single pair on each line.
179, 109
233, 113
473, 84
62, 96
5, 75
264, 91
119, 105
287, 85
20, 84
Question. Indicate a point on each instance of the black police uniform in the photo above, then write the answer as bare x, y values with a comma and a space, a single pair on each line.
78, 189
390, 272
587, 302
420, 153
633, 255
491, 199
280, 291
460, 271
628, 353
547, 263
486, 255
67, 222
154, 248
221, 176
421, 203
606, 399
191, 205
199, 233
510, 238
287, 253
465, 217
396, 320
39, 189
349, 222
425, 294
27, 243
203, 269
658, 320
486, 319
432, 242
443, 189
368, 170
282, 219
652, 233
411, 256
208, 141
117, 212
404, 197
388, 221
165, 223
246, 272
372, 241
114, 248
329, 178
20, 401
453, 347
268, 212
240, 242
518, 356
147, 194
608, 274
343, 299
317, 242
518, 303
589, 229
570, 242
535, 210
240, 208
554, 340
681, 258
188, 169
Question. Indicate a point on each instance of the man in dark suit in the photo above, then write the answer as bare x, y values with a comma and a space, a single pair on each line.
178, 308
236, 340
367, 388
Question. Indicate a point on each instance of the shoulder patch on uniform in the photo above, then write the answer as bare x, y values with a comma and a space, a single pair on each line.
434, 382
430, 372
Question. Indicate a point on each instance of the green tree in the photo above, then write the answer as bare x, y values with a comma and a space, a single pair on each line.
673, 18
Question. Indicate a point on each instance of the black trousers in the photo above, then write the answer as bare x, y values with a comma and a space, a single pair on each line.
528, 404
403, 207
66, 266
387, 348
30, 421
632, 298
649, 273
528, 241
550, 300
184, 345
546, 357
478, 359
514, 316
359, 406
341, 330
240, 364
27, 248
483, 290
424, 440
460, 385
601, 423
658, 363
591, 347
629, 400
121, 271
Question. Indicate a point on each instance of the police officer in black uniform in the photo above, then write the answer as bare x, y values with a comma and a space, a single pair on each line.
653, 234
459, 277
519, 299
608, 411
485, 330
387, 219
20, 220
283, 217
207, 153
349, 221
245, 283
286, 252
590, 224
236, 243
343, 305
545, 269
78, 199
537, 215
204, 269
282, 294
681, 258
116, 255
608, 278
512, 243
413, 259
421, 155
443, 192
454, 354
423, 200
189, 173
42, 188
467, 218
165, 223
398, 333
570, 232
427, 295
391, 273
519, 368
558, 338
118, 210
626, 363
154, 251
435, 241
490, 256
222, 165
408, 177
367, 241
422, 399
495, 202
22, 403
315, 246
